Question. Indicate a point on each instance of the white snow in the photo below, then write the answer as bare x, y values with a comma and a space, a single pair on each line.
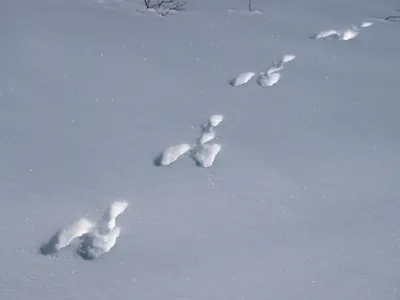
327, 33
287, 58
242, 78
107, 223
301, 203
94, 244
206, 136
349, 34
266, 80
366, 24
95, 238
171, 154
65, 236
342, 35
215, 120
205, 155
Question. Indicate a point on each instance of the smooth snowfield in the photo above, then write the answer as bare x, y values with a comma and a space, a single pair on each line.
302, 201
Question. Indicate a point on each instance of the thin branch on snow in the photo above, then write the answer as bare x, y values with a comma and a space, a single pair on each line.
164, 7
393, 18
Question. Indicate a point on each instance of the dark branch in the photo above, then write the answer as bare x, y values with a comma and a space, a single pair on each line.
393, 18
164, 7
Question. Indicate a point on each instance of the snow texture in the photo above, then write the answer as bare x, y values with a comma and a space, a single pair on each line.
302, 202
65, 236
366, 24
242, 78
204, 155
349, 34
206, 136
266, 80
95, 238
171, 154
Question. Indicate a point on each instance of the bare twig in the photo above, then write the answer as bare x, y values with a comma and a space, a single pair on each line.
393, 18
249, 5
164, 7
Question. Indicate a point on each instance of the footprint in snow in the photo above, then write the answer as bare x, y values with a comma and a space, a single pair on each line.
171, 154
203, 152
341, 35
267, 78
93, 238
272, 76
242, 78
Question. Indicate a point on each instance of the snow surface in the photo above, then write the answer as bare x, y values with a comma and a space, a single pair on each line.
267, 80
206, 136
96, 238
303, 201
171, 154
242, 78
205, 154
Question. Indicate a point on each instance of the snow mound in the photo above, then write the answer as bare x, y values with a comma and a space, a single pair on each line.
107, 223
94, 244
366, 24
215, 120
242, 78
206, 136
341, 35
65, 236
287, 58
95, 239
266, 80
326, 34
205, 155
171, 154
348, 34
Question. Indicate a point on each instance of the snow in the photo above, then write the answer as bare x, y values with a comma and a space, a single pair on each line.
349, 34
366, 24
65, 236
96, 238
242, 78
215, 120
266, 80
301, 202
206, 136
171, 154
204, 155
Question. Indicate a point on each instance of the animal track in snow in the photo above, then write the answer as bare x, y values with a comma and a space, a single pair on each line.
203, 152
342, 35
206, 136
171, 154
65, 236
366, 24
93, 238
272, 75
265, 79
242, 78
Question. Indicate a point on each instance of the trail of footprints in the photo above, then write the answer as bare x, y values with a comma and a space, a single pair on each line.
273, 75
267, 78
203, 152
91, 239
341, 35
